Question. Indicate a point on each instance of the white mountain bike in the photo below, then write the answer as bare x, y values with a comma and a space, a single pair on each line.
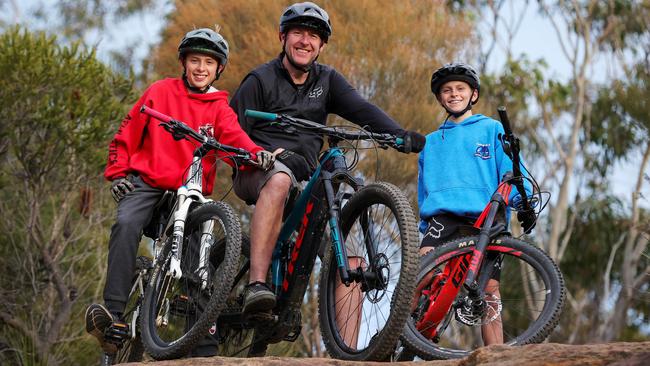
197, 243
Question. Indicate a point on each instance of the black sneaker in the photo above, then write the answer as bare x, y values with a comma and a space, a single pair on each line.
258, 298
98, 321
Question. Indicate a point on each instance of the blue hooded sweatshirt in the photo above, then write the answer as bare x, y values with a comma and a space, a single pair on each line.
460, 168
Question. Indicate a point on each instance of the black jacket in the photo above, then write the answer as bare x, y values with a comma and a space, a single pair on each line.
269, 88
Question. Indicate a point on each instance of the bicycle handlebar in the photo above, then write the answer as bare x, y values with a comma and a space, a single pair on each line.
382, 138
178, 127
513, 148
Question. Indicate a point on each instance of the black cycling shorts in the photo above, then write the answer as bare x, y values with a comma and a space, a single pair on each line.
445, 228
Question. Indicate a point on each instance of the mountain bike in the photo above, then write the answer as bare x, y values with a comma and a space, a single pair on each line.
375, 219
456, 303
187, 286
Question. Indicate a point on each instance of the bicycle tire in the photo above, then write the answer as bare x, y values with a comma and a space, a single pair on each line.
132, 349
521, 261
196, 309
386, 203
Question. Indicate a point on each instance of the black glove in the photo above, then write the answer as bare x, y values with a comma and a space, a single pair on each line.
265, 159
527, 219
120, 187
413, 142
298, 165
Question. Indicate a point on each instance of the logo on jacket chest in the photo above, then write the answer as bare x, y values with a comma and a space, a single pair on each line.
482, 151
207, 129
316, 92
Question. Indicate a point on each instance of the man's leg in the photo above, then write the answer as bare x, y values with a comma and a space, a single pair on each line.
349, 305
265, 228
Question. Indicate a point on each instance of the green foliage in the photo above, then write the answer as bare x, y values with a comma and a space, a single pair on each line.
619, 120
57, 103
59, 107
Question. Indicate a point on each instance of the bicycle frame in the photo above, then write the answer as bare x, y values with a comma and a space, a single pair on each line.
290, 271
464, 270
319, 204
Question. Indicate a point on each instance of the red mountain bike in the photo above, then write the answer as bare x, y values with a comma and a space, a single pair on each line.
486, 288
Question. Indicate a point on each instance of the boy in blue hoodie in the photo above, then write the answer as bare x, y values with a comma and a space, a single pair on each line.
460, 167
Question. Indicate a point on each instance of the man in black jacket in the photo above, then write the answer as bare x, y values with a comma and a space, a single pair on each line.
294, 84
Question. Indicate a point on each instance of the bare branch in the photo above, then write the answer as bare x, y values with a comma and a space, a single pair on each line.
610, 263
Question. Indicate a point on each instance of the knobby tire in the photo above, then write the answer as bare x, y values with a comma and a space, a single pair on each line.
396, 239
207, 305
532, 296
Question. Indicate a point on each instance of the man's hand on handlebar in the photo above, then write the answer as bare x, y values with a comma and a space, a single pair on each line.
413, 142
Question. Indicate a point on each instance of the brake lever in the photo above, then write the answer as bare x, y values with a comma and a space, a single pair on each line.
505, 144
286, 127
167, 127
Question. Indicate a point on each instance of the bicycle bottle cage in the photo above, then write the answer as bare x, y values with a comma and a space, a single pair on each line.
160, 216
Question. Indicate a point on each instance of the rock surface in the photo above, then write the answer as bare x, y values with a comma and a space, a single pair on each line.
614, 354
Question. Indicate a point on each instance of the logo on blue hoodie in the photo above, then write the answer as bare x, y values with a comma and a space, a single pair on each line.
483, 151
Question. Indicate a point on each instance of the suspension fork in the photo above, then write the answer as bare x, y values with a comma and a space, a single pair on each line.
205, 244
334, 209
485, 222
178, 224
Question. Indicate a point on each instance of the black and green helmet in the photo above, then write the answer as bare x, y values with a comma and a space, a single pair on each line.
205, 41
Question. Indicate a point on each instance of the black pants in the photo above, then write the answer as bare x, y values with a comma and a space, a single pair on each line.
133, 213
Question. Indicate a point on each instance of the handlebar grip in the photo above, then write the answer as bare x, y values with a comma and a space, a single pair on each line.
155, 114
261, 115
503, 116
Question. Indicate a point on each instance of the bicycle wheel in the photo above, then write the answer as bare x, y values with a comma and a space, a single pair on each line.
532, 295
363, 321
132, 349
177, 313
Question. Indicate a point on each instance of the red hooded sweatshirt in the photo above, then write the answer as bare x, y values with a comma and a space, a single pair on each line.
143, 147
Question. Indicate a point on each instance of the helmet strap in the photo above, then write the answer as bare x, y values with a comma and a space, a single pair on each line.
194, 89
467, 108
304, 69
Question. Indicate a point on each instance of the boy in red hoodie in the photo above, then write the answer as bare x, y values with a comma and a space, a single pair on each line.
144, 160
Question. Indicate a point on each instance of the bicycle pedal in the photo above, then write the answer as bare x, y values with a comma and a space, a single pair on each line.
293, 335
264, 316
181, 305
116, 333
